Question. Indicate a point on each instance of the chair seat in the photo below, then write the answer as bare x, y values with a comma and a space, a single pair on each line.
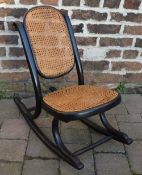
79, 98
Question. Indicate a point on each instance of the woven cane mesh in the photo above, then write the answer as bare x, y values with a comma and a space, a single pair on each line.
78, 98
50, 41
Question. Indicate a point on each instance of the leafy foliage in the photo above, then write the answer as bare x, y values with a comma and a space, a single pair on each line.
121, 87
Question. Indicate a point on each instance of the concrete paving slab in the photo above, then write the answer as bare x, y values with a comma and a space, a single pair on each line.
111, 146
131, 118
37, 149
134, 130
119, 109
12, 150
76, 136
112, 164
40, 167
14, 129
8, 109
135, 156
10, 168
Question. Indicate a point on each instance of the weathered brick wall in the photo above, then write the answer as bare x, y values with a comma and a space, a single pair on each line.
108, 32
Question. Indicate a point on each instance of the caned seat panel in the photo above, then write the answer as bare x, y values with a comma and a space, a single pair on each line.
79, 98
50, 42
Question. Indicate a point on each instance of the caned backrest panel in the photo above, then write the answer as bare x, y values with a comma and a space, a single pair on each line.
50, 41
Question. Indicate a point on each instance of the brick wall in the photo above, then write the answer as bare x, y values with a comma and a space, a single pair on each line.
108, 32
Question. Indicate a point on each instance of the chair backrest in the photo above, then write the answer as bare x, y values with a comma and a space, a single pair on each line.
50, 41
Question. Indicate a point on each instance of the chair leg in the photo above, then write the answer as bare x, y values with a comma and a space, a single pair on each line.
63, 153
108, 129
119, 136
71, 157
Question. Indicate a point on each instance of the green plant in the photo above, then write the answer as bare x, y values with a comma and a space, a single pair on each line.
121, 87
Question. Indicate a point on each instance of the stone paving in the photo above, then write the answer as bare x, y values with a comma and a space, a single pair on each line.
22, 153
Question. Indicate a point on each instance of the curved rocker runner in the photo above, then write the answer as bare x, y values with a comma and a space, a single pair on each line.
51, 51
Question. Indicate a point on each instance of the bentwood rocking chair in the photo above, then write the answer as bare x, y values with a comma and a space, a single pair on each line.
51, 51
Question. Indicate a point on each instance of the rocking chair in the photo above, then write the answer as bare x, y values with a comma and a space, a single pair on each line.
51, 51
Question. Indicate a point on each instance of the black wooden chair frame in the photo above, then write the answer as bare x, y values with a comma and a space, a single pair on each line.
32, 113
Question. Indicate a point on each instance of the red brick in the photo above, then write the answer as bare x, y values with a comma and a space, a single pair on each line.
11, 26
1, 25
107, 78
71, 2
130, 17
7, 1
16, 51
81, 52
130, 54
29, 2
130, 66
112, 3
95, 65
132, 4
138, 42
88, 76
85, 41
123, 42
87, 65
89, 80
92, 3
50, 2
134, 30
101, 65
78, 28
113, 54
17, 13
88, 14
2, 51
103, 28
59, 80
133, 78
8, 39
15, 76
117, 16
72, 77
13, 64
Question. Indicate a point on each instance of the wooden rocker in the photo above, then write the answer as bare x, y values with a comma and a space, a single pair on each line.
51, 51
